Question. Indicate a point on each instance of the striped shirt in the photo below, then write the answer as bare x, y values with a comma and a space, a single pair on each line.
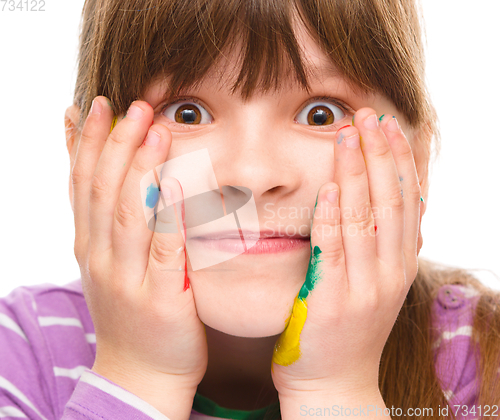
48, 347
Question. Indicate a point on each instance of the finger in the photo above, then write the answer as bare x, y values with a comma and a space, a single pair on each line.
112, 167
326, 279
131, 236
166, 276
385, 189
92, 140
326, 273
358, 229
408, 177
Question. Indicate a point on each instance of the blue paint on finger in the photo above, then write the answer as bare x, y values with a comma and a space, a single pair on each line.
152, 196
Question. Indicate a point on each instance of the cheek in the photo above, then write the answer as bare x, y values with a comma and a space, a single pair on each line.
316, 161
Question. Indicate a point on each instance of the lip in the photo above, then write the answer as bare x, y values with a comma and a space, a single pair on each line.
248, 234
267, 242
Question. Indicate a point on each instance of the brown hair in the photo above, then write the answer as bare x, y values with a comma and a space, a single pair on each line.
375, 44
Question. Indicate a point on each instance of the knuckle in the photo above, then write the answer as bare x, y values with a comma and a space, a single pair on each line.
381, 150
116, 138
140, 166
360, 220
396, 201
162, 251
85, 137
78, 175
414, 191
406, 153
98, 189
356, 171
125, 213
334, 254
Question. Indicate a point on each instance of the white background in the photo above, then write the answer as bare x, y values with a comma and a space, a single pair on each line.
37, 74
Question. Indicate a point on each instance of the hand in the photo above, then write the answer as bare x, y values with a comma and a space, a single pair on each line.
363, 262
149, 337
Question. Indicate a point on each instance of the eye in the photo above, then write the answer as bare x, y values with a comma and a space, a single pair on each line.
321, 113
183, 111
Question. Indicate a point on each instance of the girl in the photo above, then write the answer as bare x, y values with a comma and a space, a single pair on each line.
311, 105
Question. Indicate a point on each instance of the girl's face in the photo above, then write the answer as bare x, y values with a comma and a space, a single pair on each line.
273, 145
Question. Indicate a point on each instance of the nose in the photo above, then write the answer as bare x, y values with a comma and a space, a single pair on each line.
254, 153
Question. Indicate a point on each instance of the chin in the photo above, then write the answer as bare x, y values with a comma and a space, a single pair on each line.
247, 298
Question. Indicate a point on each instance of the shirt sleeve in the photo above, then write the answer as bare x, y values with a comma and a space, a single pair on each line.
455, 356
45, 365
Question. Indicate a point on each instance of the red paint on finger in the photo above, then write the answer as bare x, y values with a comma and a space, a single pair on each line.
342, 128
375, 228
183, 217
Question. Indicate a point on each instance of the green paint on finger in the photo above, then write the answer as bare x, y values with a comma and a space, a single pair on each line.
313, 273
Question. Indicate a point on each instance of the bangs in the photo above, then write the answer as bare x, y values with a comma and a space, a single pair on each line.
258, 34
183, 40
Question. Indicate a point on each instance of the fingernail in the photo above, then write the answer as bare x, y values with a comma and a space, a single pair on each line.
393, 125
135, 113
167, 192
96, 108
152, 139
371, 122
331, 196
352, 142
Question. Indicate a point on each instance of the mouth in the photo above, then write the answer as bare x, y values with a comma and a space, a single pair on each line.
249, 242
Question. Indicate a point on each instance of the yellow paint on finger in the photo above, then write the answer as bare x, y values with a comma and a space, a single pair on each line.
287, 350
113, 123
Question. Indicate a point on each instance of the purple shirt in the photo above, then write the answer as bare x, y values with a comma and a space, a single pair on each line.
48, 346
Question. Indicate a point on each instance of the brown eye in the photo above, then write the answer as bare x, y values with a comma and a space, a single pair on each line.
187, 112
320, 114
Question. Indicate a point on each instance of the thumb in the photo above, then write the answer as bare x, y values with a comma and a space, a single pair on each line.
327, 261
324, 278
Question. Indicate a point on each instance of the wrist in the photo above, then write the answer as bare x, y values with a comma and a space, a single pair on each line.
340, 404
172, 395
